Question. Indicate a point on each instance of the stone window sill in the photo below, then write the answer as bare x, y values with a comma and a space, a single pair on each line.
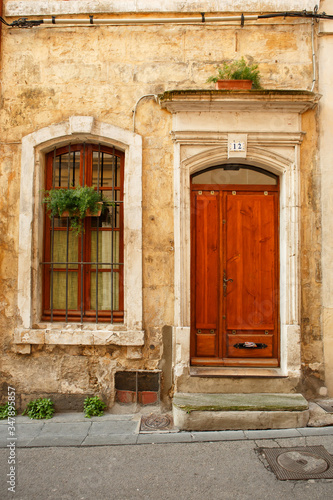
72, 334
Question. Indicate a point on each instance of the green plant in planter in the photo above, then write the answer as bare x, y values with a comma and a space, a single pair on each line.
237, 70
39, 408
74, 202
7, 410
93, 407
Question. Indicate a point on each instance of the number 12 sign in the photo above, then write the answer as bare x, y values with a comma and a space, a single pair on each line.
237, 146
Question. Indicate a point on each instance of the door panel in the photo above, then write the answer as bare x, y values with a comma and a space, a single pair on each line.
234, 268
250, 253
206, 344
207, 272
249, 346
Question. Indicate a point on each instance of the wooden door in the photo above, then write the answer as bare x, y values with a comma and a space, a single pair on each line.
234, 269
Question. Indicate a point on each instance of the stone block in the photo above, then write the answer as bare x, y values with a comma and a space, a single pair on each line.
22, 349
201, 412
81, 124
318, 416
125, 338
29, 336
68, 337
238, 420
240, 402
134, 353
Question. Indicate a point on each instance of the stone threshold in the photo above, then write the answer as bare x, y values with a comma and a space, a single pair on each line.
222, 371
240, 402
215, 412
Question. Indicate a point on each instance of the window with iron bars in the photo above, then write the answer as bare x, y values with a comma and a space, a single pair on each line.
83, 275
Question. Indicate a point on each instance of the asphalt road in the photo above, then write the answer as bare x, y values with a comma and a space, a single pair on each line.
211, 470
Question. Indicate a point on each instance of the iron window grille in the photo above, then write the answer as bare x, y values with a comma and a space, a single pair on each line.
83, 275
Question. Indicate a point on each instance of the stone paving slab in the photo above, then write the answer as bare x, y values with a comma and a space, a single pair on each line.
114, 427
316, 431
180, 437
65, 429
112, 439
70, 417
23, 433
79, 417
217, 436
52, 441
272, 433
19, 419
61, 434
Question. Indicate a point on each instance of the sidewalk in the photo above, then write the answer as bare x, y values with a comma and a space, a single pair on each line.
73, 429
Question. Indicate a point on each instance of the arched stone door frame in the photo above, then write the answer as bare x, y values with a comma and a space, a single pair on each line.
202, 131
285, 169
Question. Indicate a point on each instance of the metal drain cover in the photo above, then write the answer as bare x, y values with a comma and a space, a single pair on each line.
311, 462
156, 422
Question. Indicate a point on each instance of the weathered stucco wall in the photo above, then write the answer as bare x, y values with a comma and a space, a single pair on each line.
326, 127
51, 74
310, 260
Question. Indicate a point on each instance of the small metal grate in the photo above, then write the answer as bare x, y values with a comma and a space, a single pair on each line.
300, 463
156, 422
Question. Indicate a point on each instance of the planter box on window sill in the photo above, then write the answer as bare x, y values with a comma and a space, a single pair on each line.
87, 214
233, 85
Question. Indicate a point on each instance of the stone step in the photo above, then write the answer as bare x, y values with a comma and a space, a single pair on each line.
195, 411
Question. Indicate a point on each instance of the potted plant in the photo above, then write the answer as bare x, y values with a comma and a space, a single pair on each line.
237, 75
76, 203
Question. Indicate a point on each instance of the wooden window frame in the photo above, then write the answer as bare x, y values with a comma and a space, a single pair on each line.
84, 311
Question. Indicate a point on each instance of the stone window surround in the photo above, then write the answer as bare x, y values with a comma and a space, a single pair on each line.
277, 150
34, 148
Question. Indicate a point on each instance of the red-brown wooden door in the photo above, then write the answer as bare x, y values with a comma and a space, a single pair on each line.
235, 275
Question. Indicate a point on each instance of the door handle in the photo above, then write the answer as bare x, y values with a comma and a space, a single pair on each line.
225, 282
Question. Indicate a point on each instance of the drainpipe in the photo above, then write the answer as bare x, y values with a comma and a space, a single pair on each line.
313, 57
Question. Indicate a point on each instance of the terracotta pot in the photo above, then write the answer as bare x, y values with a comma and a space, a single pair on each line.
233, 84
88, 212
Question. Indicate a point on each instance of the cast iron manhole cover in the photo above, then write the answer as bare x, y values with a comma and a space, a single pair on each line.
311, 462
155, 422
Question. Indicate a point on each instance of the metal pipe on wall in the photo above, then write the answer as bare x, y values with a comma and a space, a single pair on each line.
171, 20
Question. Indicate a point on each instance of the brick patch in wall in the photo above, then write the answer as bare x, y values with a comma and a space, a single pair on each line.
137, 386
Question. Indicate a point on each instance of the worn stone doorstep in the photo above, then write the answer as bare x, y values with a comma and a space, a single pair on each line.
215, 412
239, 402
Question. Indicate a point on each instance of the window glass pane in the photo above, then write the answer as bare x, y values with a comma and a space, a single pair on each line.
109, 170
59, 290
60, 249
105, 220
105, 247
67, 165
241, 176
104, 291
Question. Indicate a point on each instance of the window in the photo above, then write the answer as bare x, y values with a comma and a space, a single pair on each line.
234, 174
83, 275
